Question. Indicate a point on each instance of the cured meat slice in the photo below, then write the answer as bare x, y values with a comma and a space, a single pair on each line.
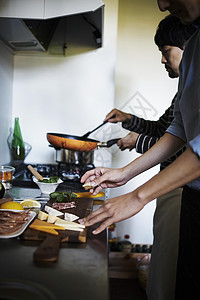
60, 206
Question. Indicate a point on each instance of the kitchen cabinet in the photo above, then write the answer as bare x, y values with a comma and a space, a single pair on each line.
22, 9
81, 271
44, 9
48, 26
62, 7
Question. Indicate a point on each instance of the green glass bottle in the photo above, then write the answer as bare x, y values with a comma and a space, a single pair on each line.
18, 149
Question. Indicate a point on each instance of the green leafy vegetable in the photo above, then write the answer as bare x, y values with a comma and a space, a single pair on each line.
63, 196
51, 179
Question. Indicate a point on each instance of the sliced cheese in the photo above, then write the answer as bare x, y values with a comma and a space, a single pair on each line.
42, 216
65, 223
51, 219
70, 217
52, 211
87, 185
74, 228
43, 224
46, 229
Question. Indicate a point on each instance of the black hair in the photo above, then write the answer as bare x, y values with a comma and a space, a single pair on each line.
172, 32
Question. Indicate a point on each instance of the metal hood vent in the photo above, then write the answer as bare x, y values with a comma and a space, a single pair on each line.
43, 26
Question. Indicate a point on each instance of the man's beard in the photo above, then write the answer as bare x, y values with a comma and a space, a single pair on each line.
172, 74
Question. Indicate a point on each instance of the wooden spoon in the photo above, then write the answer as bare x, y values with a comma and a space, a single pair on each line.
35, 173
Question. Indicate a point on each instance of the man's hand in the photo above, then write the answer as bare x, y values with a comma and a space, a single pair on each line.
128, 142
114, 210
101, 178
117, 116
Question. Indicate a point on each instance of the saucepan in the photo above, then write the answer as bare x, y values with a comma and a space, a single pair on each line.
78, 143
73, 157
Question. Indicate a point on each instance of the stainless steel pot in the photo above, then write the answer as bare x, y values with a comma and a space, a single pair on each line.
74, 157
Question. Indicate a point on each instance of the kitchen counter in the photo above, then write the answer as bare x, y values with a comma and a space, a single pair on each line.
81, 271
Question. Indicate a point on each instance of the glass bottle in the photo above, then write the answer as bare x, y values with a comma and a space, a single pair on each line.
18, 149
125, 245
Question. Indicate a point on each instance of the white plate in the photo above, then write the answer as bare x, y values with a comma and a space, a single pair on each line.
23, 227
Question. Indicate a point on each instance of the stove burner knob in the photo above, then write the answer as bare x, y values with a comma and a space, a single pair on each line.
70, 175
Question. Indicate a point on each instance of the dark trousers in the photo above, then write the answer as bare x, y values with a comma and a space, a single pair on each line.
188, 266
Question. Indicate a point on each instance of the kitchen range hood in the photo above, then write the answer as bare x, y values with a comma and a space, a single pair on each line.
60, 27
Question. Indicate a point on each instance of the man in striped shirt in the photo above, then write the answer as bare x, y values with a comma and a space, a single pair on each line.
171, 37
145, 133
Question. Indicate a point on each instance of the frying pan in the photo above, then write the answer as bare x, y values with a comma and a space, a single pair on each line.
76, 143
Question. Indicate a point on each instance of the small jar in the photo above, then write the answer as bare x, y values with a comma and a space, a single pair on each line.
6, 175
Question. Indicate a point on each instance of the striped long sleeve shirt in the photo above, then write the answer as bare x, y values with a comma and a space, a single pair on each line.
151, 131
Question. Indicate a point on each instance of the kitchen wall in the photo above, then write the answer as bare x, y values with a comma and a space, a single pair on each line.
142, 87
6, 87
66, 94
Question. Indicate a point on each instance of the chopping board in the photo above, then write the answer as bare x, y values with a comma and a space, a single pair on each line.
48, 249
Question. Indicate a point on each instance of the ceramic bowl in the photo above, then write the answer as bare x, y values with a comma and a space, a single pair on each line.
47, 188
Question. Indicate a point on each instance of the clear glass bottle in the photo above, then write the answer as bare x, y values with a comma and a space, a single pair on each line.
17, 149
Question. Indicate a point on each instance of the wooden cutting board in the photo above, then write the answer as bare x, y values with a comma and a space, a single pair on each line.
48, 249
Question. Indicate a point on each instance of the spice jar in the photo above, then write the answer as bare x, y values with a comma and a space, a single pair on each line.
6, 175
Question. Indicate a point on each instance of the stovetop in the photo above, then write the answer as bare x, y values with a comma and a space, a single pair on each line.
70, 174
